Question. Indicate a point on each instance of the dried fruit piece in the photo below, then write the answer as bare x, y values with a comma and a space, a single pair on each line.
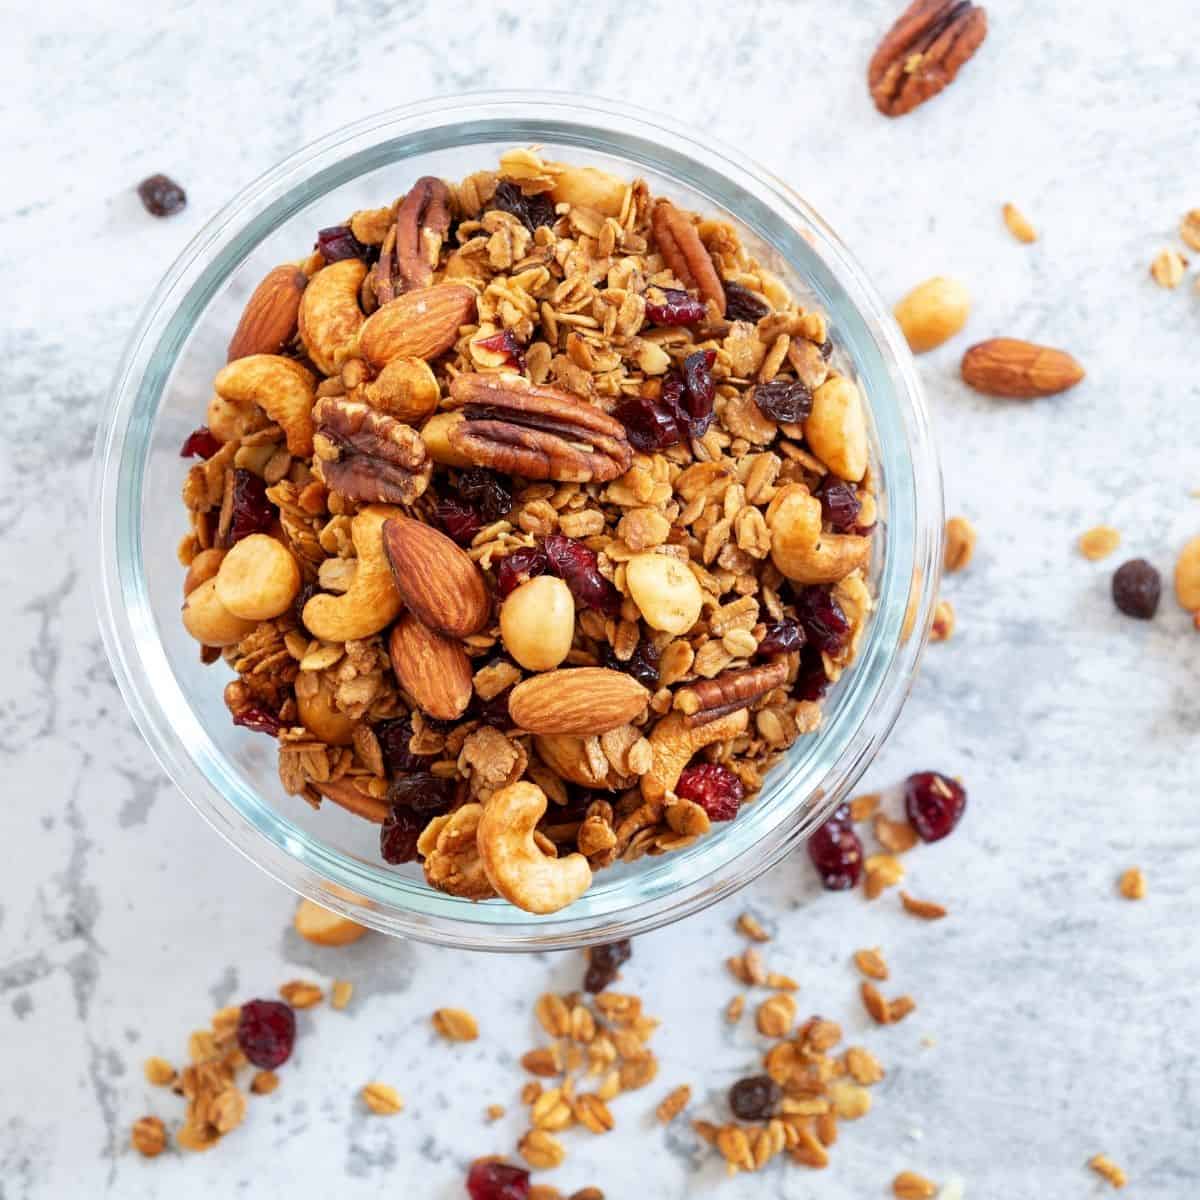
489, 1180
1136, 588
604, 962
398, 836
1019, 370
1099, 542
782, 637
836, 851
933, 312
754, 1098
521, 565
741, 304
161, 196
200, 443
676, 308
337, 243
715, 788
934, 803
649, 426
1017, 224
266, 1032
840, 504
460, 521
531, 211
251, 511
784, 400
577, 566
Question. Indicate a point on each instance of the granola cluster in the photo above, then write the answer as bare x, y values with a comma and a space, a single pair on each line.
534, 520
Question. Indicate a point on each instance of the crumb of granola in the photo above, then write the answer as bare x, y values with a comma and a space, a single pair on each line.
1133, 883
264, 1083
960, 544
673, 1103
749, 925
734, 1009
455, 1024
148, 1136
158, 1071
1167, 268
775, 1015
1107, 1169
300, 993
748, 967
864, 807
494, 1112
871, 963
1189, 229
1099, 542
908, 1185
926, 909
882, 871
382, 1099
885, 1012
781, 982
1018, 225
943, 622
340, 993
894, 836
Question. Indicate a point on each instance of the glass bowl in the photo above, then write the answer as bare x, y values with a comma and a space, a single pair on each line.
161, 391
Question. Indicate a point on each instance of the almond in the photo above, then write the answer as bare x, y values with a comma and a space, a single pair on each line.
434, 670
580, 700
1022, 370
418, 324
324, 928
269, 319
436, 580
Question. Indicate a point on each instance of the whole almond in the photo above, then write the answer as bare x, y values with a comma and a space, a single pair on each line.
269, 319
434, 670
419, 324
579, 700
1022, 370
436, 580
933, 312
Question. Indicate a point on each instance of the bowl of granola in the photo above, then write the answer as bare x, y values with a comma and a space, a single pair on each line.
560, 525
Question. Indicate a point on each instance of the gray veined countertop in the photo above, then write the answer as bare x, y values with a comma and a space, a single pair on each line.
1056, 1020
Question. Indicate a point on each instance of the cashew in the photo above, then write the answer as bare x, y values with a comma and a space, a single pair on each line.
228, 420
406, 389
283, 388
209, 621
515, 864
321, 719
799, 548
836, 429
588, 187
330, 317
258, 578
435, 433
203, 567
450, 848
371, 602
674, 744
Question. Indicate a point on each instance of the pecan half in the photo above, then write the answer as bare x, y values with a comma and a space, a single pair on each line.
536, 432
922, 53
412, 246
367, 455
707, 699
684, 252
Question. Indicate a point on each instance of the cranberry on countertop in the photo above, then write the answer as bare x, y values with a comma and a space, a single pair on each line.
394, 737
715, 788
836, 851
266, 1032
603, 963
934, 803
497, 1181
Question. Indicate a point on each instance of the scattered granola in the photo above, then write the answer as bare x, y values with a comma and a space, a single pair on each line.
1167, 268
1107, 1169
340, 993
932, 313
871, 963
748, 924
264, 1083
1189, 229
1018, 224
382, 1099
885, 1012
908, 1185
926, 909
158, 1071
1133, 883
673, 1103
862, 808
943, 622
300, 993
148, 1136
455, 1024
960, 544
1099, 542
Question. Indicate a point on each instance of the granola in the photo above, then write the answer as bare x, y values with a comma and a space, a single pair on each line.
538, 488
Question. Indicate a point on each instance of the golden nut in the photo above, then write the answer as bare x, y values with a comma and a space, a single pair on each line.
836, 429
537, 623
258, 578
1187, 576
149, 1136
324, 928
435, 433
933, 312
209, 621
665, 591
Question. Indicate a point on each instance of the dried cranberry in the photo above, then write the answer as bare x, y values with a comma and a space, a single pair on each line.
811, 681
649, 426
603, 963
822, 618
840, 504
782, 637
200, 443
394, 737
497, 1181
338, 242
252, 511
266, 1032
674, 397
934, 804
460, 521
259, 719
506, 344
754, 1098
398, 835
161, 195
426, 794
676, 308
699, 387
642, 664
741, 304
784, 400
531, 211
837, 852
575, 564
519, 567
303, 596
827, 349
486, 493
715, 788
1136, 587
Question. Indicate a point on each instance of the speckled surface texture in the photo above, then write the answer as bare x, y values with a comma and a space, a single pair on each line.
1064, 1019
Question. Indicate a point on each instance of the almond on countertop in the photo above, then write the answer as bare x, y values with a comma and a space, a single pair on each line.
1019, 370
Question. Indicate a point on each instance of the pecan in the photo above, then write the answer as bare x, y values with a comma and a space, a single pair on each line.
685, 254
412, 246
922, 53
367, 455
520, 428
707, 699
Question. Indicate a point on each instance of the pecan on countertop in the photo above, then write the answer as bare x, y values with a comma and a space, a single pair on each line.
368, 456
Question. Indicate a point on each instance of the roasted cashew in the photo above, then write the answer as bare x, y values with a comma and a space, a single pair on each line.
228, 420
330, 317
450, 848
802, 551
371, 602
836, 429
406, 389
674, 744
514, 863
282, 387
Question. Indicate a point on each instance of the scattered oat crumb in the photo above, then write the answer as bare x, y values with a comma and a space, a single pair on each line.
299, 993
673, 1103
1167, 268
928, 1041
158, 1071
885, 1012
881, 871
894, 836
863, 807
1104, 1166
1133, 884
943, 622
1189, 229
734, 1009
494, 1112
960, 544
148, 1136
1018, 225
953, 1189
1099, 542
781, 982
456, 1024
871, 963
908, 1185
749, 926
382, 1099
748, 967
926, 909
340, 993
264, 1083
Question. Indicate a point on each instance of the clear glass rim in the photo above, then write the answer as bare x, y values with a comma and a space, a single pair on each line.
868, 700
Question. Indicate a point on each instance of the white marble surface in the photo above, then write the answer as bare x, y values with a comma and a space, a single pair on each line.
1065, 1019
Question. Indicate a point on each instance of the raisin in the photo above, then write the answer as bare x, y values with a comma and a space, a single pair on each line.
811, 680
603, 964
497, 1181
934, 804
642, 664
741, 304
1136, 588
836, 852
338, 242
303, 596
460, 521
649, 426
258, 719
782, 637
822, 618
531, 211
505, 343
394, 737
161, 196
266, 1032
486, 493
715, 788
519, 567
252, 511
840, 504
754, 1098
677, 308
200, 443
576, 565
398, 835
784, 400
425, 794
699, 387
826, 349
494, 712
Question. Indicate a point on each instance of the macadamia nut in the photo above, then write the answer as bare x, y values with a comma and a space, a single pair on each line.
665, 591
258, 579
209, 621
537, 623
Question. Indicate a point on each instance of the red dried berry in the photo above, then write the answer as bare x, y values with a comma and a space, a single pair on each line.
497, 1181
784, 400
822, 618
161, 196
258, 719
754, 1098
505, 343
200, 443
531, 211
836, 852
576, 565
840, 504
782, 637
393, 737
1136, 588
338, 242
649, 426
519, 567
460, 521
741, 304
811, 680
486, 492
266, 1032
699, 385
934, 803
603, 964
398, 835
676, 308
715, 788
424, 793
252, 511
